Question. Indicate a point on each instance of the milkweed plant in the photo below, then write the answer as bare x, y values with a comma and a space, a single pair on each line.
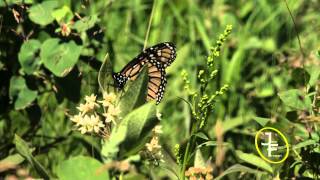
129, 126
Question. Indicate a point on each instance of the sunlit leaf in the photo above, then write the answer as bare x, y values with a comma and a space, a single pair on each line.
81, 167
139, 122
135, 95
254, 160
262, 121
42, 13
198, 159
296, 99
63, 14
58, 57
110, 147
85, 23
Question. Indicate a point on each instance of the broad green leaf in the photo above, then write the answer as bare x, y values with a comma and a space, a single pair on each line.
296, 99
201, 135
12, 160
305, 143
261, 121
139, 123
314, 74
110, 147
59, 58
25, 97
28, 56
85, 23
11, 2
264, 90
24, 150
63, 14
42, 13
105, 78
135, 95
20, 93
198, 159
254, 160
81, 167
238, 168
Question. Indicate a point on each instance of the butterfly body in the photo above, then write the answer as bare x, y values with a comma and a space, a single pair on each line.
156, 58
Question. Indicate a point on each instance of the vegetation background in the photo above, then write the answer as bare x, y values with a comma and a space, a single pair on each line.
50, 56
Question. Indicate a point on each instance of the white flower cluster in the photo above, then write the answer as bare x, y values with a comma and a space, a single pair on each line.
88, 119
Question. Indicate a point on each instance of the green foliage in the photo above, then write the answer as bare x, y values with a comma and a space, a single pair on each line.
295, 99
28, 56
221, 88
26, 152
20, 94
42, 13
82, 168
254, 160
58, 57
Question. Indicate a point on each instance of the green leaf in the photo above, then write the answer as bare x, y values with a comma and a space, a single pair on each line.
201, 135
12, 160
63, 14
105, 78
305, 143
314, 74
264, 90
81, 167
139, 123
238, 168
254, 160
110, 147
85, 23
198, 159
295, 99
135, 95
20, 93
42, 13
24, 150
25, 97
59, 58
28, 56
261, 121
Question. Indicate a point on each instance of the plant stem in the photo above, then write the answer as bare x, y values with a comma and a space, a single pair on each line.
186, 156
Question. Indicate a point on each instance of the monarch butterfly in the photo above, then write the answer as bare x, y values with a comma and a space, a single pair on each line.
156, 58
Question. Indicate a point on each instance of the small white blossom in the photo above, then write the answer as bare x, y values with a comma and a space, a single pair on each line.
153, 146
158, 129
90, 124
108, 99
85, 108
76, 119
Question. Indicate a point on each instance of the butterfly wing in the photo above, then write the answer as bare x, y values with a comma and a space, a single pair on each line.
157, 82
163, 53
157, 58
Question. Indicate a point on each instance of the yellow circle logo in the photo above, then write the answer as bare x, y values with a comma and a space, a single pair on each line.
269, 149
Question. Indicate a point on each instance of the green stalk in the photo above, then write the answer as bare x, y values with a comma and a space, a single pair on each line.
186, 156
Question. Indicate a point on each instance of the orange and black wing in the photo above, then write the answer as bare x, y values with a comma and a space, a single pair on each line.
157, 58
157, 82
